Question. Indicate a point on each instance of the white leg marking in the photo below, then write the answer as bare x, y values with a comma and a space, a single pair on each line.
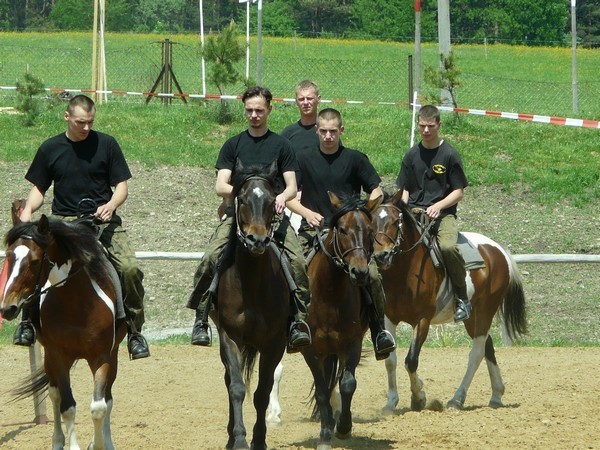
475, 357
98, 413
391, 364
274, 408
69, 419
58, 437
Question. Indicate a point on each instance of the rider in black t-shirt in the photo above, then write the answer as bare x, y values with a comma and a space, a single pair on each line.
343, 171
255, 146
85, 165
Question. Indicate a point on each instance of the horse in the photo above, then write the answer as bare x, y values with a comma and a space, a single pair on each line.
61, 269
337, 315
419, 293
253, 300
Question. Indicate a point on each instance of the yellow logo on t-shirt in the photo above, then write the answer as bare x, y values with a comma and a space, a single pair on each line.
439, 169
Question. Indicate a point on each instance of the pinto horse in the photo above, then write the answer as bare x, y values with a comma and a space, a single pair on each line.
337, 315
418, 293
253, 301
62, 270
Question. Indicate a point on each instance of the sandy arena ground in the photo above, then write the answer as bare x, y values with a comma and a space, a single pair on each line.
177, 400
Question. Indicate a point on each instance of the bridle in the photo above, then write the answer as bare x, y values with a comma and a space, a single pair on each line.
338, 255
243, 237
396, 246
38, 291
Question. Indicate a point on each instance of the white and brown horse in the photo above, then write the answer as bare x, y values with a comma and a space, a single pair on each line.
61, 269
418, 293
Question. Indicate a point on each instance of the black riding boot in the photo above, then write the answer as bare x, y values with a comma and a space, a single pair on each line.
383, 341
201, 332
463, 305
25, 333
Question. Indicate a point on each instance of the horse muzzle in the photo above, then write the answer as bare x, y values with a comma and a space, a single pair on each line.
384, 259
359, 276
256, 244
10, 313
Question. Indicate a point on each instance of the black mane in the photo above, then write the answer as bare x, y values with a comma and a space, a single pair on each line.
349, 203
78, 241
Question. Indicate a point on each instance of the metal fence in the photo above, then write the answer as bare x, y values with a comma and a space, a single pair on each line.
137, 68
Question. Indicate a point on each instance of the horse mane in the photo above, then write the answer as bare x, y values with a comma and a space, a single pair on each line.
349, 203
78, 242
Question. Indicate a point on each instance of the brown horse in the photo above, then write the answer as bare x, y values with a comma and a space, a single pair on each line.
61, 269
418, 293
337, 315
253, 301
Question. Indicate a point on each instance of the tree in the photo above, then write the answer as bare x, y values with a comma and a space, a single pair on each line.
223, 51
588, 22
27, 102
444, 77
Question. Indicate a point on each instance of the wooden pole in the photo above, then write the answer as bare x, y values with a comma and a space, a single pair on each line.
95, 51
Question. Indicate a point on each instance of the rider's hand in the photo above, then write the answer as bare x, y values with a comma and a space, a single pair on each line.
105, 212
313, 219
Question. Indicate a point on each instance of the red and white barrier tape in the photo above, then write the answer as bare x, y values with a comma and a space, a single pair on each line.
584, 123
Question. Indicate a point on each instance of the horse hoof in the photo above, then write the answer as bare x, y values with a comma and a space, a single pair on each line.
454, 404
435, 405
341, 435
496, 404
418, 404
324, 447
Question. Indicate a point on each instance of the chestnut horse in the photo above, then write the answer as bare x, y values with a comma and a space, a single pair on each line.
253, 301
418, 293
62, 270
337, 315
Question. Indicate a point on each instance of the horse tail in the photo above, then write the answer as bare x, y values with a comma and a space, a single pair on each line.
514, 311
248, 361
37, 382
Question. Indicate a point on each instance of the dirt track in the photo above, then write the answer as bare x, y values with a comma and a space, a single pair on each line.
177, 400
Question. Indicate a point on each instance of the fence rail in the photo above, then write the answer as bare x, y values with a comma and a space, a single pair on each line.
524, 258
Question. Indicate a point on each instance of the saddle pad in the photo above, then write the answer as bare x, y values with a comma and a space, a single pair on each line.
470, 254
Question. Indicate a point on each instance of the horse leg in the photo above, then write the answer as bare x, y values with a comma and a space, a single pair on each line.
266, 370
347, 385
64, 406
475, 358
322, 395
495, 377
236, 390
418, 398
99, 408
274, 408
391, 362
58, 437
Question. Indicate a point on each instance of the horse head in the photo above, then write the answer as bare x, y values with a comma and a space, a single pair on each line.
351, 237
254, 191
26, 266
387, 222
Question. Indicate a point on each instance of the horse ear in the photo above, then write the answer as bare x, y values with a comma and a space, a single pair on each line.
272, 169
396, 199
17, 208
43, 224
374, 203
334, 199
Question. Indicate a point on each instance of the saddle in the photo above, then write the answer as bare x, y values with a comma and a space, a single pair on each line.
428, 230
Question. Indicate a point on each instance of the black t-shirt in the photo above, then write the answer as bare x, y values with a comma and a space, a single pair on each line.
258, 151
346, 172
429, 175
84, 169
302, 137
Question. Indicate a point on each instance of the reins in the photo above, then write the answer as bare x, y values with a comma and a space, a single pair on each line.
424, 233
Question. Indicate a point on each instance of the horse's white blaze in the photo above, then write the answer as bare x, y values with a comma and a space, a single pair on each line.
258, 192
382, 213
20, 252
58, 273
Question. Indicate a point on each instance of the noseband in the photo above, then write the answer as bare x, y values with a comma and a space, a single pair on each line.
243, 237
398, 240
339, 255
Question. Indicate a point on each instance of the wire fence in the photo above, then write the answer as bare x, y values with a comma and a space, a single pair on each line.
137, 68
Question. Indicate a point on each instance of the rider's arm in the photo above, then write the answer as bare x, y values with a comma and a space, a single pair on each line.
375, 193
449, 200
223, 187
312, 218
106, 211
35, 200
288, 193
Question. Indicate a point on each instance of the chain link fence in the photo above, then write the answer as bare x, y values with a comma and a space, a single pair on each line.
136, 69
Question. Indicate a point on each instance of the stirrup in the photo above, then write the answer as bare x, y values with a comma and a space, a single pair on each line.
24, 325
463, 310
383, 353
302, 327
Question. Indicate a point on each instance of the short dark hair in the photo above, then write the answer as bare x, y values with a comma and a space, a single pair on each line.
330, 114
86, 103
257, 91
429, 112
